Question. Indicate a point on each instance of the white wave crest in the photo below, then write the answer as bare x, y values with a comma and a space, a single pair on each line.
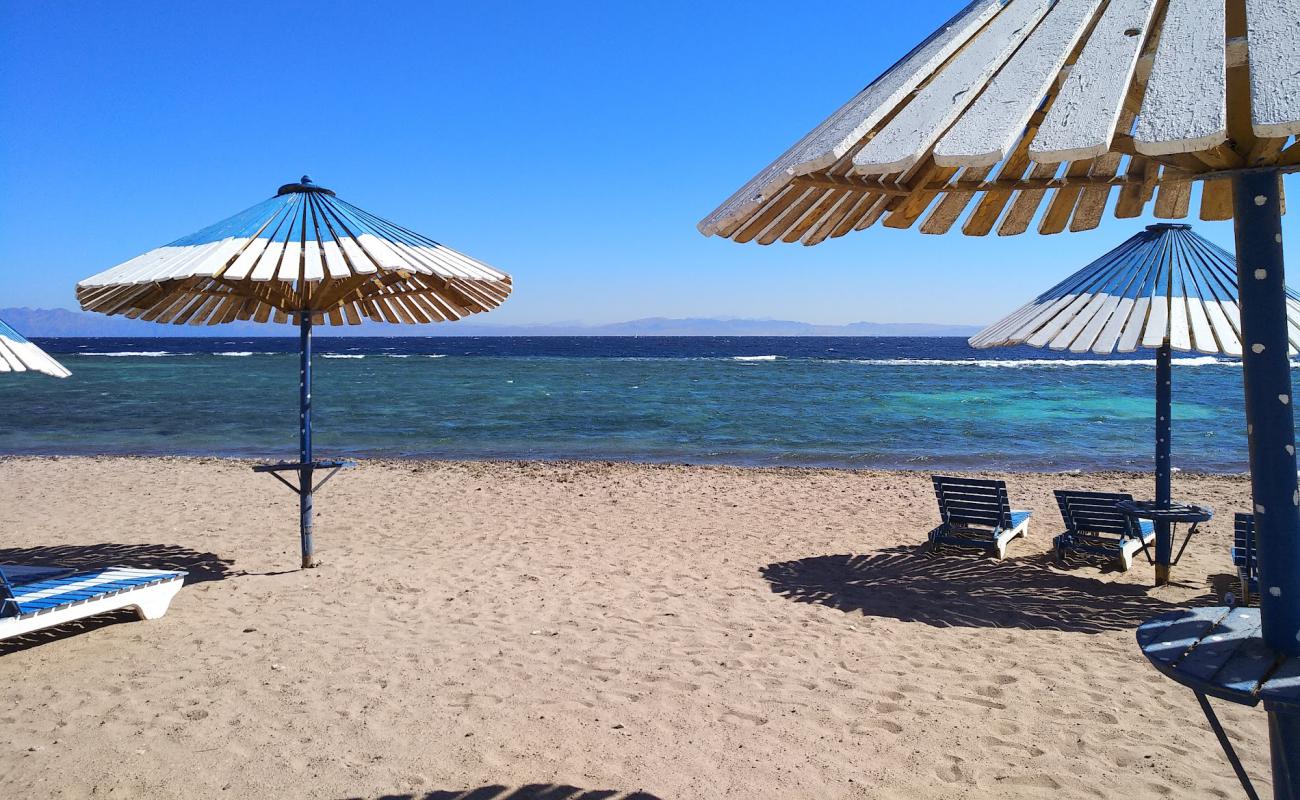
235, 353
341, 355
436, 355
135, 354
1045, 363
756, 358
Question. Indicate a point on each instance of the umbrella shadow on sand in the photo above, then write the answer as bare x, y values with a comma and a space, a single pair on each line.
201, 567
964, 591
532, 791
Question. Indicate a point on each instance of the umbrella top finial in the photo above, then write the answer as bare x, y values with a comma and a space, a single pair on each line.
304, 184
1169, 226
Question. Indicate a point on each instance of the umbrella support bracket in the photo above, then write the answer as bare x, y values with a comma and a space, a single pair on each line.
304, 471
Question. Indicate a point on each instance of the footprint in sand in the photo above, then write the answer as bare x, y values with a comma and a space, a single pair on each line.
749, 719
863, 728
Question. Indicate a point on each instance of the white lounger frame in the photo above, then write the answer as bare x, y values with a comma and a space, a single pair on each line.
148, 602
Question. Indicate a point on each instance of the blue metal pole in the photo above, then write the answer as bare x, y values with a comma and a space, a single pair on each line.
1270, 430
1164, 430
1270, 423
305, 470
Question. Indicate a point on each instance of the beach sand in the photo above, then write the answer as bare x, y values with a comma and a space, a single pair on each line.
682, 632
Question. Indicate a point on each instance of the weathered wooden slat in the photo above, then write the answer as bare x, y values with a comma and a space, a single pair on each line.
1273, 30
1185, 108
1173, 199
1135, 195
1061, 208
989, 130
1081, 122
840, 132
1026, 203
911, 133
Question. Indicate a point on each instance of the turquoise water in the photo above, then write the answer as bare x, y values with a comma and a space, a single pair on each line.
920, 403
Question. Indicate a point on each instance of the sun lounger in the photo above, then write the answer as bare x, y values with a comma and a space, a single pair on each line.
32, 598
1093, 524
1245, 556
976, 513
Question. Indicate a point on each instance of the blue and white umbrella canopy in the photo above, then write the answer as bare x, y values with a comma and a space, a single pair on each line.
1165, 284
304, 249
303, 256
19, 355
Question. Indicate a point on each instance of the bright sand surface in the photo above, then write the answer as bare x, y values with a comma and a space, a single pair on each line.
682, 632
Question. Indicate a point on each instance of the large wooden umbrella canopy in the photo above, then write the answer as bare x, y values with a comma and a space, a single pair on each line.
1056, 111
19, 355
304, 256
1017, 107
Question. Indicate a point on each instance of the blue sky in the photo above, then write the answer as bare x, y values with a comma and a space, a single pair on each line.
572, 144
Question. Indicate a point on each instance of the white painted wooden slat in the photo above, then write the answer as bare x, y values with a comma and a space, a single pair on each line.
911, 133
1180, 331
240, 268
989, 129
1066, 337
312, 267
269, 261
361, 263
1109, 336
334, 263
1087, 338
1137, 320
1157, 326
1273, 33
1203, 340
1224, 334
1081, 123
839, 132
291, 261
1185, 108
1048, 329
1031, 323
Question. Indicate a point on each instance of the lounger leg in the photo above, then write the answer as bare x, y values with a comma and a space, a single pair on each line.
157, 600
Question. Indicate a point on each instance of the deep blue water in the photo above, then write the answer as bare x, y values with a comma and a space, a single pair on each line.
851, 402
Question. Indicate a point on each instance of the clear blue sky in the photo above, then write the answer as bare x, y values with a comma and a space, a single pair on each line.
572, 144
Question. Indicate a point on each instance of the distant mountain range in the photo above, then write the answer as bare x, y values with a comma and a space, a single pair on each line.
58, 322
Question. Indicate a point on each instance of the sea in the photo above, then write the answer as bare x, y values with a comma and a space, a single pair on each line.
910, 403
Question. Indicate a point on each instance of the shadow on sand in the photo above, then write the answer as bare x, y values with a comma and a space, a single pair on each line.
533, 791
200, 566
962, 590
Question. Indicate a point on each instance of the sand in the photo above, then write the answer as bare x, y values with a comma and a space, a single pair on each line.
565, 631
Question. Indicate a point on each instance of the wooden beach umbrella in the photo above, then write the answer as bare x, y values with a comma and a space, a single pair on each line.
1058, 110
1165, 289
304, 256
19, 355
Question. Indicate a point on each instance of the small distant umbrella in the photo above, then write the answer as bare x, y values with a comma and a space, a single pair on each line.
1166, 289
304, 256
19, 355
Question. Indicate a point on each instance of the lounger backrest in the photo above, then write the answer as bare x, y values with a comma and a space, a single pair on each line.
1096, 512
1244, 554
8, 608
969, 502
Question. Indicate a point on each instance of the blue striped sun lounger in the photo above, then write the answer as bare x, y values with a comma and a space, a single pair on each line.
1094, 524
976, 513
1245, 556
33, 598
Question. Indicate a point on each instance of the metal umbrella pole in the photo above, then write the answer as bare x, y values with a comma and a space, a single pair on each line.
1270, 428
306, 465
305, 472
1164, 430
